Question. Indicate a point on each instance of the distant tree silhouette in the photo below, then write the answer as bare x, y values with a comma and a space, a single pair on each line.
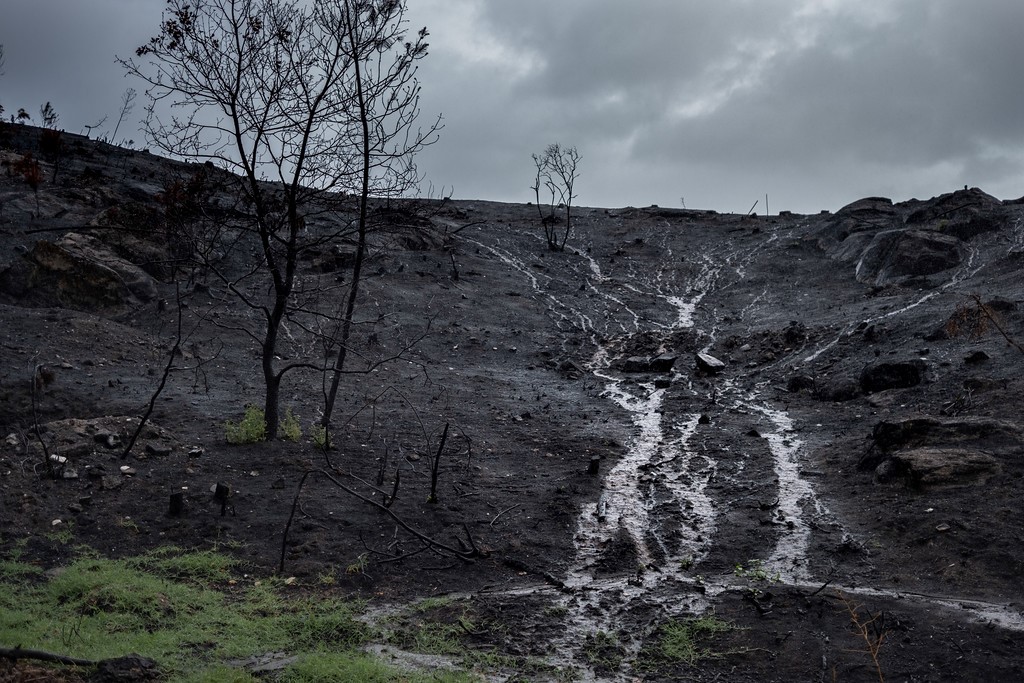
557, 168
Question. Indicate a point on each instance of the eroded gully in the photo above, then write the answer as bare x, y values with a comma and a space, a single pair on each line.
664, 501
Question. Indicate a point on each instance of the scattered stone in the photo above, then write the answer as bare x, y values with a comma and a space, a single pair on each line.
708, 364
798, 383
12, 440
838, 390
976, 357
636, 364
75, 508
194, 451
108, 439
892, 375
111, 482
158, 449
127, 470
663, 363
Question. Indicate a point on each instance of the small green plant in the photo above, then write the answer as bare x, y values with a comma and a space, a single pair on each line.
62, 533
289, 426
603, 651
359, 565
321, 437
327, 578
683, 641
252, 428
754, 569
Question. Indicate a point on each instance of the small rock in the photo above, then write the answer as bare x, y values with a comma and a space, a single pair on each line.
127, 470
111, 483
636, 364
798, 383
977, 357
108, 439
75, 508
69, 473
708, 364
942, 528
159, 449
195, 451
12, 440
704, 419
663, 363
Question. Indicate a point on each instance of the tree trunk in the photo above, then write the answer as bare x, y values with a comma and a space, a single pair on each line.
271, 377
364, 193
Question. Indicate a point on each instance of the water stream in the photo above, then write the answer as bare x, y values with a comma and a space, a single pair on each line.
655, 499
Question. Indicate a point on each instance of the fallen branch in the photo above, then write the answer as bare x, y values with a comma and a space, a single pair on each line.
16, 653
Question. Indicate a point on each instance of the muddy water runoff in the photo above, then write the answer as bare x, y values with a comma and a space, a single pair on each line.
657, 504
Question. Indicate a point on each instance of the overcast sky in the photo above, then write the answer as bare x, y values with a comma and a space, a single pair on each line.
815, 103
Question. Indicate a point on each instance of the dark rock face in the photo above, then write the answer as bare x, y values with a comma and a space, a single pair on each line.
938, 466
837, 390
895, 255
892, 375
929, 451
959, 211
864, 215
893, 435
77, 271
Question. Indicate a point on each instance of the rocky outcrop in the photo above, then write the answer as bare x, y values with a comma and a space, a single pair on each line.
927, 451
893, 256
77, 271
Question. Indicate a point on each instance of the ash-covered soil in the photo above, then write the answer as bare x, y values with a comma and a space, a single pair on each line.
795, 417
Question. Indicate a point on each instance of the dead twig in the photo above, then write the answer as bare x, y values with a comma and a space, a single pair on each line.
508, 509
870, 627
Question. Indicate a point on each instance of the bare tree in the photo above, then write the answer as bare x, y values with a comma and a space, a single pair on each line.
282, 94
1, 70
558, 169
127, 104
385, 93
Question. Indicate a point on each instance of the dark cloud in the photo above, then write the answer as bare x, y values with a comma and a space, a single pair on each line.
816, 102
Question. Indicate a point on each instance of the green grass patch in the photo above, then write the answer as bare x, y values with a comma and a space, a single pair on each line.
191, 613
686, 641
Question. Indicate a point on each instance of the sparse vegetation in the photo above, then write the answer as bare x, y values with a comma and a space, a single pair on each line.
684, 641
320, 435
251, 429
603, 651
290, 428
755, 570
